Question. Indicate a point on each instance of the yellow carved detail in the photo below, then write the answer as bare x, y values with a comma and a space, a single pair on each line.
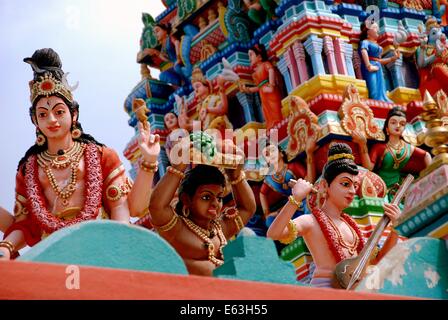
404, 95
324, 83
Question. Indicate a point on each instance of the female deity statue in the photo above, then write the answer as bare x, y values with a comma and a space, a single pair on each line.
395, 158
212, 108
67, 176
267, 85
276, 189
330, 234
371, 66
169, 52
197, 226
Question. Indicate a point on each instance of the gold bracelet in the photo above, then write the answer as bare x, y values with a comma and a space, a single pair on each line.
241, 177
149, 167
8, 245
292, 233
238, 222
176, 172
169, 225
295, 202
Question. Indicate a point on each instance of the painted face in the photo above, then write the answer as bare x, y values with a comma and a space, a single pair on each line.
341, 191
159, 33
373, 31
396, 125
200, 90
272, 156
254, 58
171, 121
53, 117
207, 202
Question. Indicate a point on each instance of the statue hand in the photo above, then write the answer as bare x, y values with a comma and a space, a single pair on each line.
177, 159
4, 254
359, 137
301, 189
372, 68
243, 88
228, 147
148, 143
392, 211
268, 89
220, 80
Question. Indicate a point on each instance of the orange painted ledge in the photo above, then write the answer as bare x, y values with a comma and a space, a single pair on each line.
30, 281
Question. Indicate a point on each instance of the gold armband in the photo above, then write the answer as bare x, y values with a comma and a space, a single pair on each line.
169, 225
241, 177
149, 167
292, 233
114, 193
295, 202
8, 245
176, 172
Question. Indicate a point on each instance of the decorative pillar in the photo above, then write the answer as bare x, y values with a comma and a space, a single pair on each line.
357, 64
313, 46
329, 52
292, 65
247, 101
299, 53
339, 53
283, 68
395, 70
348, 57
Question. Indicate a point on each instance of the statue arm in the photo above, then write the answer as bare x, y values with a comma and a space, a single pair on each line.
264, 204
279, 227
141, 191
244, 200
17, 238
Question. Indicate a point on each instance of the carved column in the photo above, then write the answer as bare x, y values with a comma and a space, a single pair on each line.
395, 70
283, 68
299, 53
348, 57
313, 46
292, 65
247, 101
339, 54
357, 65
329, 52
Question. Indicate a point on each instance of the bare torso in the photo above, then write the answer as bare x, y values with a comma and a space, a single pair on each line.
317, 244
62, 176
193, 250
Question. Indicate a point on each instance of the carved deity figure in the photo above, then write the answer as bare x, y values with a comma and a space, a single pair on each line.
330, 235
67, 176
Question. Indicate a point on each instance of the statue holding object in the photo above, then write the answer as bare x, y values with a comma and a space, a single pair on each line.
330, 235
371, 66
393, 159
267, 84
67, 176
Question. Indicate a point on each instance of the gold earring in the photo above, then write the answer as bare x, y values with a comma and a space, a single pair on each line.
76, 132
40, 138
185, 211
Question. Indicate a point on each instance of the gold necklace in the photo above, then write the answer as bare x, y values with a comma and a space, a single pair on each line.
73, 160
60, 161
208, 244
351, 248
395, 153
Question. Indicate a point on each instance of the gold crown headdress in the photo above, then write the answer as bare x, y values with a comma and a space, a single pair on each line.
198, 76
47, 86
430, 23
341, 156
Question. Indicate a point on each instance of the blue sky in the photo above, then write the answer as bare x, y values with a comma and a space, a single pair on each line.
97, 40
